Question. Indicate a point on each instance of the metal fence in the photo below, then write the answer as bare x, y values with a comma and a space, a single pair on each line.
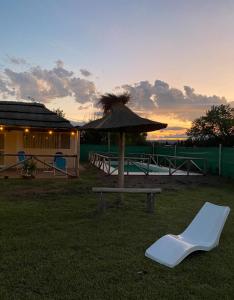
220, 160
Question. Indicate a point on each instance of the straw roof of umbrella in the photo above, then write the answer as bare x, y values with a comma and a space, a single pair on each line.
118, 117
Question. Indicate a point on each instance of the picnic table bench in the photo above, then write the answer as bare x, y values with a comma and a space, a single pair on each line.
150, 195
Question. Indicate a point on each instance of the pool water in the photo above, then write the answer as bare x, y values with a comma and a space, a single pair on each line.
135, 169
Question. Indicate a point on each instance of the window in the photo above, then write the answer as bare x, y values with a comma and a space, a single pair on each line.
64, 141
44, 140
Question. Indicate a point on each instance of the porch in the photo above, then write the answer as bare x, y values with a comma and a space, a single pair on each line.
44, 166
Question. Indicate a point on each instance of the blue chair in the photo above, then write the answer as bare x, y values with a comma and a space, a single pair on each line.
53, 163
57, 154
60, 162
21, 158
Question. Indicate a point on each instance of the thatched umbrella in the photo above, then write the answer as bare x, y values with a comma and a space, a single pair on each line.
119, 118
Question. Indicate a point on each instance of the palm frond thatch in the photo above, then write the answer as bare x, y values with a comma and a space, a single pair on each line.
108, 100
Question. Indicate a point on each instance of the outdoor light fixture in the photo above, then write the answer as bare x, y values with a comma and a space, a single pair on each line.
1, 128
72, 133
50, 132
26, 130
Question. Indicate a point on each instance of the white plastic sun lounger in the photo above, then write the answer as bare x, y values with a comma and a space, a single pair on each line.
203, 233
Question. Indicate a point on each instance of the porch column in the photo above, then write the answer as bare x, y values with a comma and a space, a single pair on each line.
77, 159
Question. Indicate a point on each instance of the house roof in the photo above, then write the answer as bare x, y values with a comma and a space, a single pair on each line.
35, 115
121, 118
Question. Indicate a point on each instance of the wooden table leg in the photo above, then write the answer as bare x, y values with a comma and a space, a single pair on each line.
101, 204
150, 202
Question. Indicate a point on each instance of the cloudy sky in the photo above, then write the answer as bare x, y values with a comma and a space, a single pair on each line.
176, 58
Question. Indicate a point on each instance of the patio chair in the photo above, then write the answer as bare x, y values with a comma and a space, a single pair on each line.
21, 158
203, 233
60, 163
53, 163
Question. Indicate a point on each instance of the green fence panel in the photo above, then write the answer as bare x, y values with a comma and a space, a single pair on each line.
138, 150
164, 150
227, 162
86, 148
211, 154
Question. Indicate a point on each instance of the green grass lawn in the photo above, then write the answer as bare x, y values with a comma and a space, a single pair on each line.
53, 245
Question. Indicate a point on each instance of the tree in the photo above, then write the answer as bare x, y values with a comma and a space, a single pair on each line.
133, 138
101, 138
213, 128
90, 137
106, 101
59, 112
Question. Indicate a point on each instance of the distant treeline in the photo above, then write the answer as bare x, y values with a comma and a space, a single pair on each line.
101, 138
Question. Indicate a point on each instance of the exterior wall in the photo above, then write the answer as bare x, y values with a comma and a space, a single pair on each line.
11, 146
14, 142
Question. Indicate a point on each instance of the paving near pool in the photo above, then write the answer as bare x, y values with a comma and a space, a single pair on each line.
137, 169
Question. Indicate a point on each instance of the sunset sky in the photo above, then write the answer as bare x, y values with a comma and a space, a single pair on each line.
175, 57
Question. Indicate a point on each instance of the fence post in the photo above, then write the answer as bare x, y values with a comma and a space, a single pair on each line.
220, 159
148, 166
170, 167
188, 166
109, 165
109, 141
175, 151
175, 154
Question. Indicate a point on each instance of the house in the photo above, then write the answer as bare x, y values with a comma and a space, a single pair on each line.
34, 129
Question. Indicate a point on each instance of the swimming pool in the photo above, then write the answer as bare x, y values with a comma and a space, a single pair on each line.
139, 168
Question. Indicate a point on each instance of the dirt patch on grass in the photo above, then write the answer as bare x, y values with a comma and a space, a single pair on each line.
166, 182
19, 189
